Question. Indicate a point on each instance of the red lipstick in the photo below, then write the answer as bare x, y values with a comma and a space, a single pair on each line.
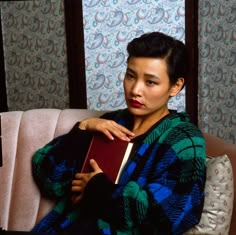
135, 103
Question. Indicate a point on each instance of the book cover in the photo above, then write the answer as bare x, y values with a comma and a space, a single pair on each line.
111, 155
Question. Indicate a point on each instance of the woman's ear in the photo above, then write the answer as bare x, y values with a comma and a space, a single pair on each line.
177, 87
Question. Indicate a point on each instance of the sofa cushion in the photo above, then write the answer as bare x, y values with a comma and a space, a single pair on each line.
219, 195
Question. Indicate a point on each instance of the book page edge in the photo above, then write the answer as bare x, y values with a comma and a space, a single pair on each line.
125, 159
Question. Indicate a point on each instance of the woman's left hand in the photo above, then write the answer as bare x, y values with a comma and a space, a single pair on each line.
81, 180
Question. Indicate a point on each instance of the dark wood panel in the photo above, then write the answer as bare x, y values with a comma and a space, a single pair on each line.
75, 53
3, 95
191, 39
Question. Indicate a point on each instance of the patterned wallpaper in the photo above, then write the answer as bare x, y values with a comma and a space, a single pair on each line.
36, 63
35, 54
35, 48
108, 27
217, 69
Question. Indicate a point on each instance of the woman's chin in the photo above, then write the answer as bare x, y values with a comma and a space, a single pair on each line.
136, 111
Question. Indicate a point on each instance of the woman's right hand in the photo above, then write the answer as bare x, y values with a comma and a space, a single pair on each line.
108, 127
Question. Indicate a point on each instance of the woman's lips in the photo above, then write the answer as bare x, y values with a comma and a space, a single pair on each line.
135, 103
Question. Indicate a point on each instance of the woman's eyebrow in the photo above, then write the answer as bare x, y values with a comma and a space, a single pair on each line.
130, 70
146, 74
151, 76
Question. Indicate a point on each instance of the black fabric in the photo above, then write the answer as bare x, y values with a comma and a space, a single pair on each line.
103, 188
4, 232
83, 227
69, 145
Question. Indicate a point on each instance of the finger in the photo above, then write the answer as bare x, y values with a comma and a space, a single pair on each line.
124, 130
108, 134
95, 166
76, 182
113, 131
121, 132
121, 135
111, 128
77, 189
79, 176
77, 185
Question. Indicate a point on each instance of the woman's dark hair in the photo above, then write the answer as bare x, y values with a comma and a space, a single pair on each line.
161, 46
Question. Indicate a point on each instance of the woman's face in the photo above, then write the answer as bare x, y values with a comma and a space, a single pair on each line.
147, 87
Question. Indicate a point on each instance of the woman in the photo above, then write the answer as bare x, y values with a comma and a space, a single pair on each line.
161, 188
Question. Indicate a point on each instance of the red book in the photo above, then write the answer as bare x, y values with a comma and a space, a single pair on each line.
111, 155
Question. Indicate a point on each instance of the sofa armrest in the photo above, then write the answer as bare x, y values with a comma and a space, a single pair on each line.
218, 147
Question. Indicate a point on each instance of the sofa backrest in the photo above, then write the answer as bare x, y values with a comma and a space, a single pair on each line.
21, 205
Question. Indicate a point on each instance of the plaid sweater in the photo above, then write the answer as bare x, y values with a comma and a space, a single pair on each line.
160, 191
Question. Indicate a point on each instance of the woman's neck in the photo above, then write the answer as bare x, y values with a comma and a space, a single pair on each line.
143, 123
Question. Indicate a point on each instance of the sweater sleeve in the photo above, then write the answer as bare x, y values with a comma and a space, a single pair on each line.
55, 164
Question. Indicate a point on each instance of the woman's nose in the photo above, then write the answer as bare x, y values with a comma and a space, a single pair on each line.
136, 88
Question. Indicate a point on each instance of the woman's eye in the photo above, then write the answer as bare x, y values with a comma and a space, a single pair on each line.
150, 82
129, 76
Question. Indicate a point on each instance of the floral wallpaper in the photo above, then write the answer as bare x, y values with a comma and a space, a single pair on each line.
35, 54
108, 26
217, 68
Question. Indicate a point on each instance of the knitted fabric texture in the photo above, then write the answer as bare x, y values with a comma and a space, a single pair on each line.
160, 190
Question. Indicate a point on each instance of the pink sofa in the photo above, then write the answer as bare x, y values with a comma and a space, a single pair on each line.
21, 205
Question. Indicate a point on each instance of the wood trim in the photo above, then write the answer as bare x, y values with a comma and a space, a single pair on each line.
3, 93
75, 53
191, 40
